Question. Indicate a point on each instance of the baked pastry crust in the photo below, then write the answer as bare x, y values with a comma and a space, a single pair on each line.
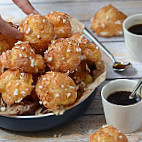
6, 42
38, 30
108, 21
63, 55
15, 86
90, 52
61, 24
1, 68
108, 134
56, 90
80, 73
23, 58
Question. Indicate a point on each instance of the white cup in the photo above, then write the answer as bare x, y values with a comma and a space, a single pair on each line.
133, 42
126, 118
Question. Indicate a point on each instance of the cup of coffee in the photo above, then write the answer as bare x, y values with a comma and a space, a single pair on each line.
120, 111
132, 27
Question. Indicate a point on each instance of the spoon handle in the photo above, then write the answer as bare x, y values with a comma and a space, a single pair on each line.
95, 40
132, 95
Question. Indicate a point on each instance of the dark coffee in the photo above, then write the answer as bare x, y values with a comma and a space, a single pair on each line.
122, 98
136, 29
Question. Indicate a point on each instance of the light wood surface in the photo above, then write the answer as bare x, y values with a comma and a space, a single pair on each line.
93, 118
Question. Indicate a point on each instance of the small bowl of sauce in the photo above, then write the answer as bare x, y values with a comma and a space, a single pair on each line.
120, 111
132, 27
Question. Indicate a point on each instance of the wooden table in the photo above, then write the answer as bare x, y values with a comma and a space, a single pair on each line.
93, 118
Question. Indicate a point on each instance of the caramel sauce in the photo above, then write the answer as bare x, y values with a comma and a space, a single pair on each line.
136, 29
119, 66
122, 98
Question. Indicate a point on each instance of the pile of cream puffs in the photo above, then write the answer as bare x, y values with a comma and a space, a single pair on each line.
49, 69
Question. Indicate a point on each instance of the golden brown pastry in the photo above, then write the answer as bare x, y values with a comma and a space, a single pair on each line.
1, 68
108, 134
80, 73
61, 24
15, 86
6, 42
23, 58
108, 21
90, 52
63, 55
38, 31
56, 90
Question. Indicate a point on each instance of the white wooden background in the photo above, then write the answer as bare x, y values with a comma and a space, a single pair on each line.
93, 118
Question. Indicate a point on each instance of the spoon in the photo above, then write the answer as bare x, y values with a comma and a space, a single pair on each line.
117, 66
133, 94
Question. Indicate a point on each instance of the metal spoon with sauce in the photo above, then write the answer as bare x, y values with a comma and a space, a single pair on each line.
117, 66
